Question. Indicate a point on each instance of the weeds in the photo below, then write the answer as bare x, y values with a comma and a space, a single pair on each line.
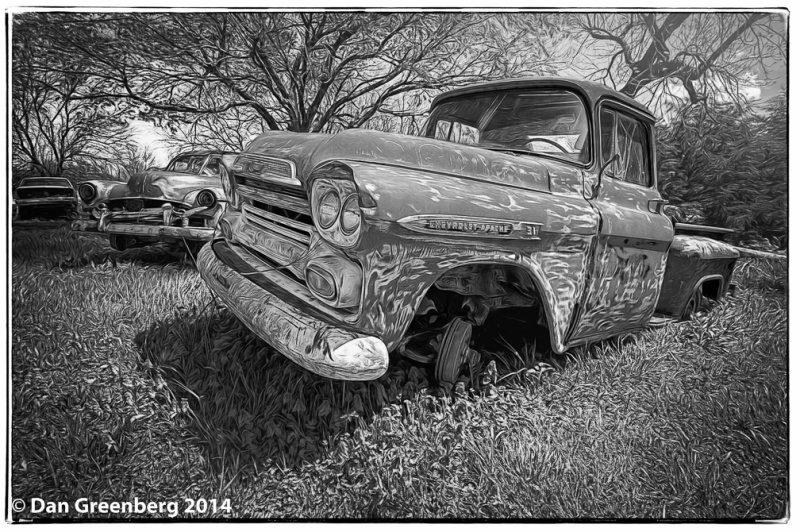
129, 381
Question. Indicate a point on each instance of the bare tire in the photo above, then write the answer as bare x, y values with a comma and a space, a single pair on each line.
453, 351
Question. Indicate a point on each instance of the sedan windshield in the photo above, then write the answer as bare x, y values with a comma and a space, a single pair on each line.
191, 164
545, 121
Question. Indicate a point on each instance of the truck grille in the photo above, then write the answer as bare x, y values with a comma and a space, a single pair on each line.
276, 216
277, 220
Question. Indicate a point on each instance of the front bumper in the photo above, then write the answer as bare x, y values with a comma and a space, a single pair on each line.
145, 223
308, 341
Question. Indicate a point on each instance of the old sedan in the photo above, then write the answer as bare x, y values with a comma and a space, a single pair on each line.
178, 204
40, 193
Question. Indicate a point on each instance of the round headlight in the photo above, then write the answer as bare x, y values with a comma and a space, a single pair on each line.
206, 198
87, 191
328, 208
351, 215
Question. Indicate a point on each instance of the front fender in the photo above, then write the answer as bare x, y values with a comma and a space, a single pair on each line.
401, 263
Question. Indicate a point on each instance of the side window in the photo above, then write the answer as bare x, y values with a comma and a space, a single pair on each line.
632, 144
212, 168
607, 133
456, 132
442, 129
626, 136
195, 165
464, 134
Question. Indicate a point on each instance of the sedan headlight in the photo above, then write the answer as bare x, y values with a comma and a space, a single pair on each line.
206, 198
87, 192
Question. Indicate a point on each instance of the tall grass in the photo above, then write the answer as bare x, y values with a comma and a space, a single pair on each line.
129, 380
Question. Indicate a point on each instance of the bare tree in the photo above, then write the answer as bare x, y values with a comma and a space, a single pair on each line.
516, 44
53, 125
229, 131
702, 53
296, 71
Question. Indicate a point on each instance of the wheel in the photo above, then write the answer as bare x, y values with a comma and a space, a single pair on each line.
453, 351
693, 304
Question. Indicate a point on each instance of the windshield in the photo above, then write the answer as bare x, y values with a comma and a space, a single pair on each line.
191, 164
545, 121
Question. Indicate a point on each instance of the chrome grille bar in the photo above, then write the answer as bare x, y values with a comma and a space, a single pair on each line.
278, 224
283, 201
294, 224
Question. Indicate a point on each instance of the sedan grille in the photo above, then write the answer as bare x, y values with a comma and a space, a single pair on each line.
30, 193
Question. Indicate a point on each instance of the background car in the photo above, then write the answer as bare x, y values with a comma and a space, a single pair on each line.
44, 194
177, 204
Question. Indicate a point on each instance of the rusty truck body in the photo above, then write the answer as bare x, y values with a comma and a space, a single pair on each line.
538, 195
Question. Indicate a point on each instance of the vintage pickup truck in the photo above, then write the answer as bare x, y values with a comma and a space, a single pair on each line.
536, 195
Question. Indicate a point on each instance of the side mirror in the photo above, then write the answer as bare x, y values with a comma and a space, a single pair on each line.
596, 187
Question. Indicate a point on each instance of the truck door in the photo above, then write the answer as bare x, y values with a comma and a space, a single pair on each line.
634, 237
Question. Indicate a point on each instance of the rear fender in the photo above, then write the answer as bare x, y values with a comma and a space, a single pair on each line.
693, 262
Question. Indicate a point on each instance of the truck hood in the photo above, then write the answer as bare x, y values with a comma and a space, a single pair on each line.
170, 186
307, 150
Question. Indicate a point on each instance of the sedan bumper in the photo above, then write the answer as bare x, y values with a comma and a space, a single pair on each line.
155, 231
312, 343
145, 223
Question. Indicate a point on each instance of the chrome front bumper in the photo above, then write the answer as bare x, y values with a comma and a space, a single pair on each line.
308, 341
145, 223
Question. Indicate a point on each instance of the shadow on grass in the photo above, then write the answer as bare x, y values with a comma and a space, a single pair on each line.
248, 405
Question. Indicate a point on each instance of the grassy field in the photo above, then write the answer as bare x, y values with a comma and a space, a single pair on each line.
130, 381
